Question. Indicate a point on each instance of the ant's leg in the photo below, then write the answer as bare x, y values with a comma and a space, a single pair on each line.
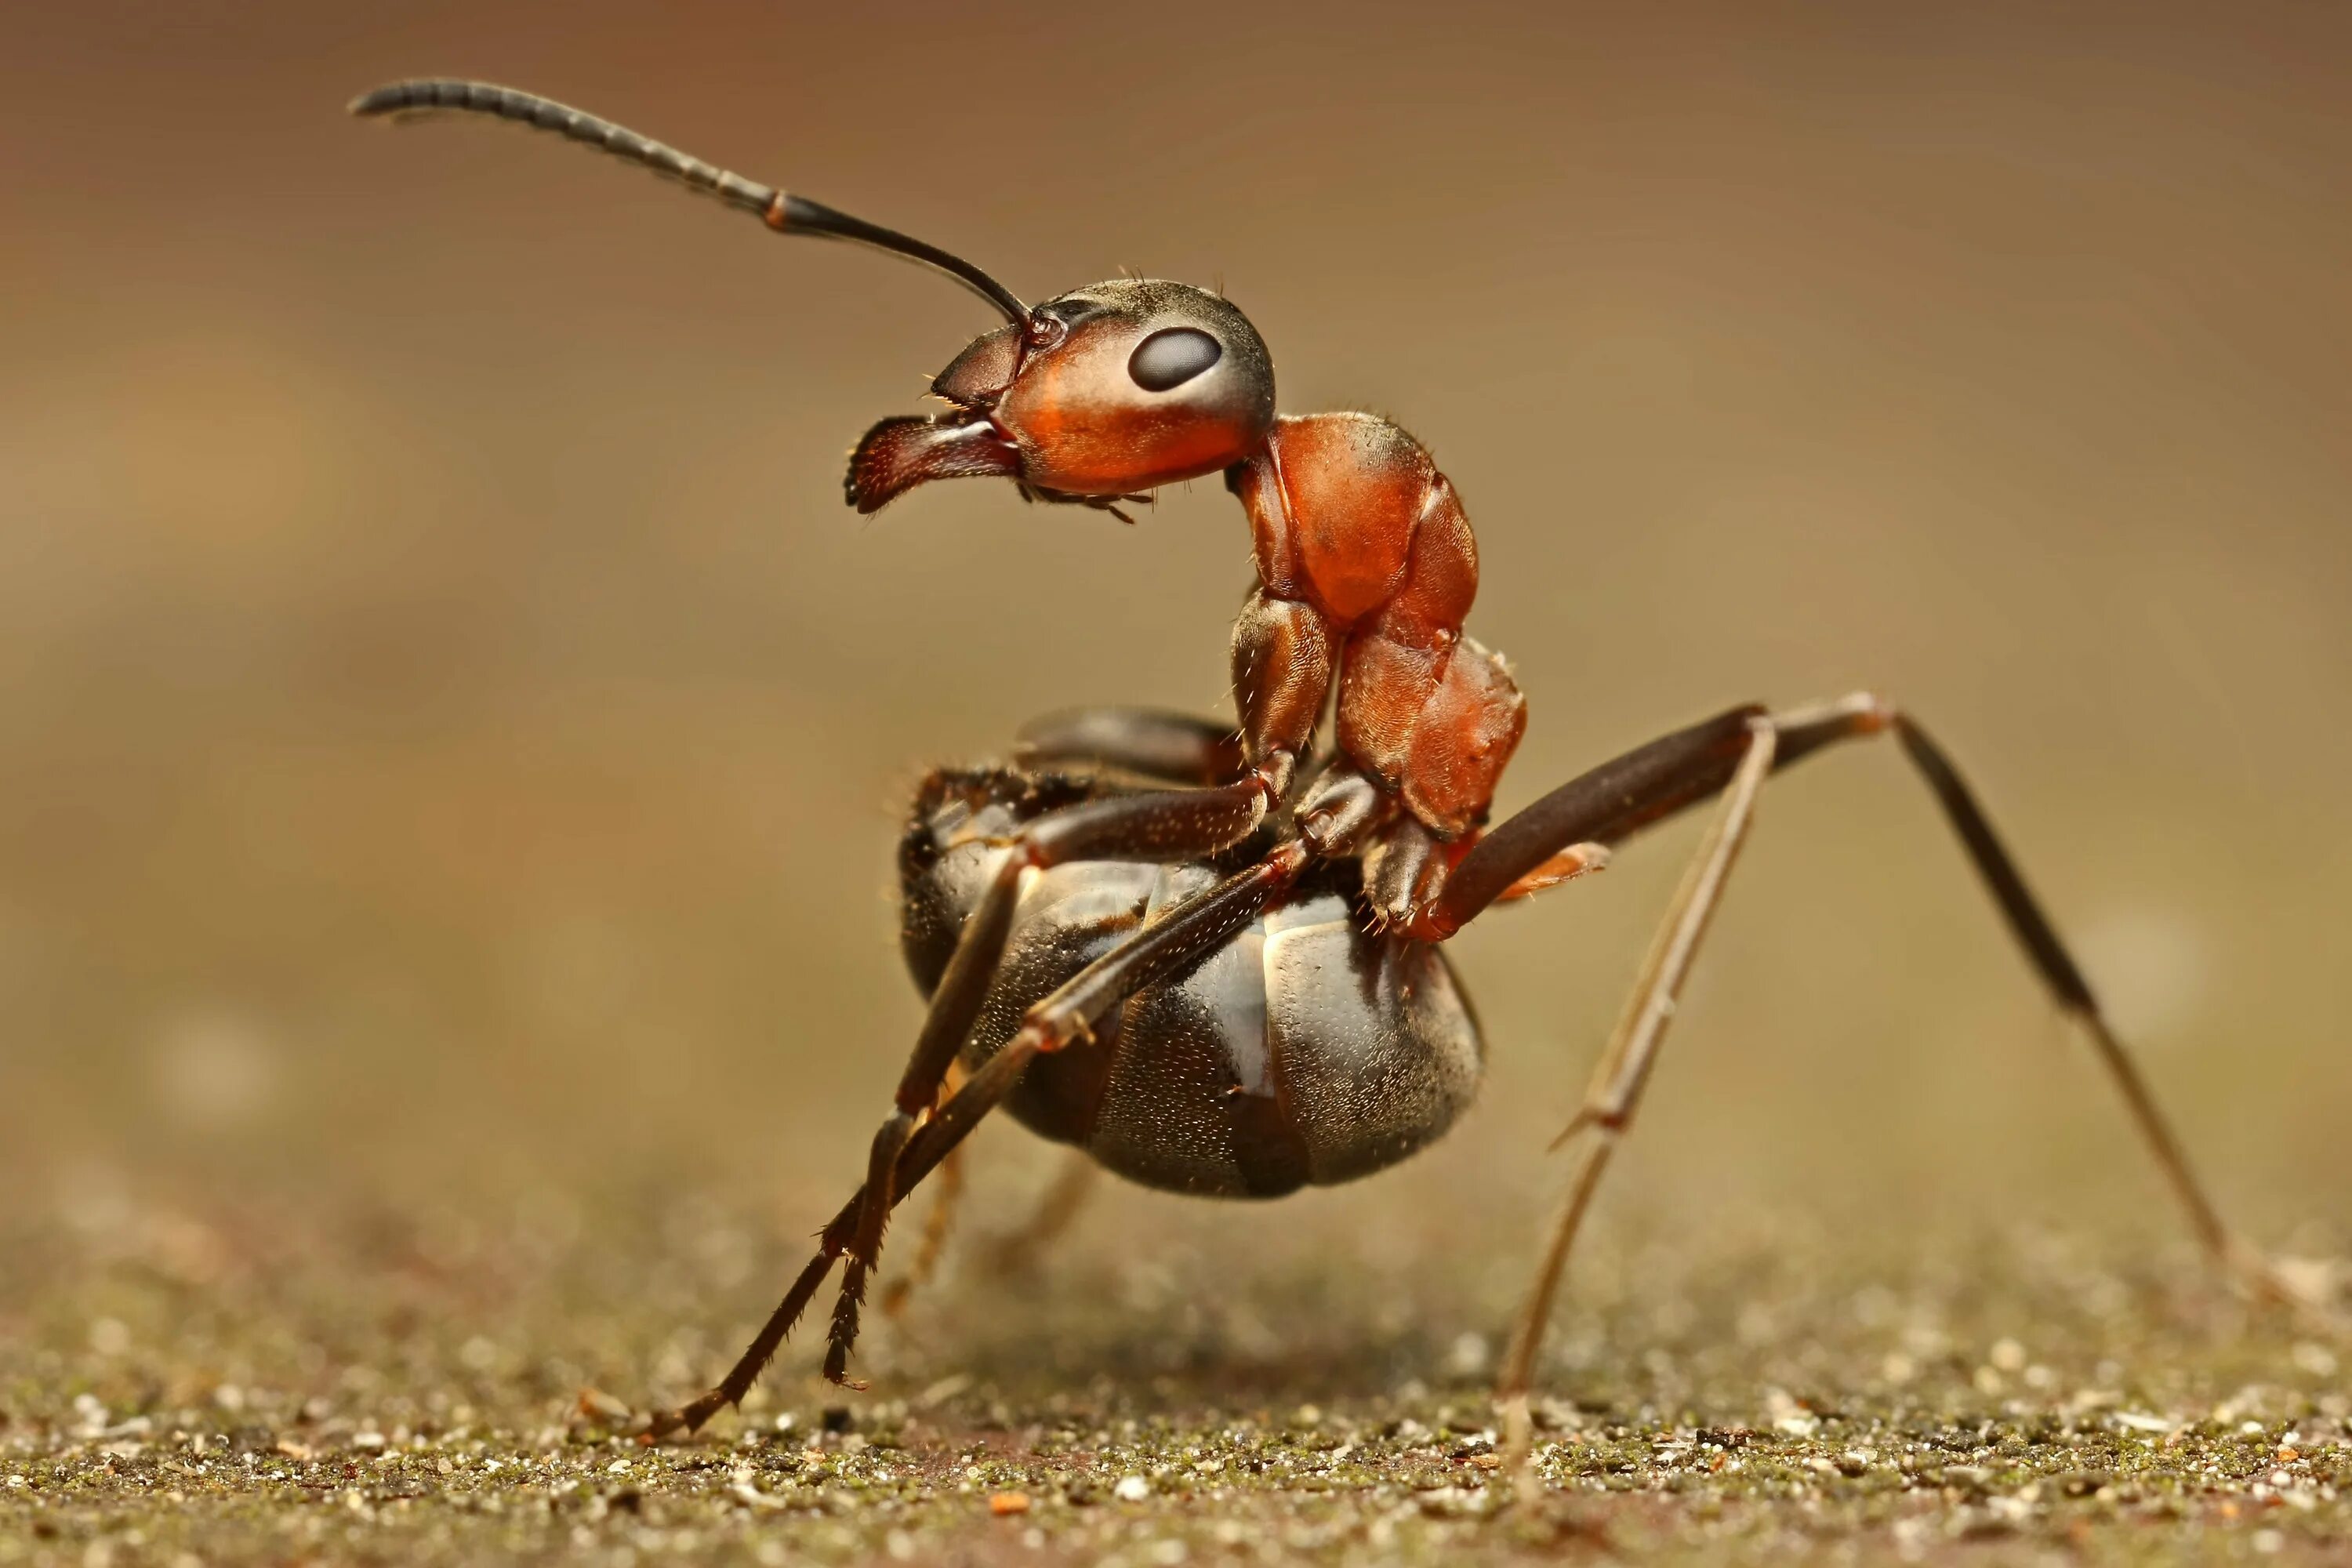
1620, 797
1177, 747
1014, 1252
2065, 977
1658, 779
1017, 1250
1177, 937
1068, 1014
1010, 1252
1159, 826
1598, 806
1624, 1067
946, 1193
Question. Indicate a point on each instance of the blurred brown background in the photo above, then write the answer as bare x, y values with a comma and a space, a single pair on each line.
452, 735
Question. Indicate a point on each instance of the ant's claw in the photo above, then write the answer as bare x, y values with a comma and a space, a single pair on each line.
687, 1418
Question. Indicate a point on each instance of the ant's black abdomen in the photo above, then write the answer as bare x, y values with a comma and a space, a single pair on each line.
1307, 1050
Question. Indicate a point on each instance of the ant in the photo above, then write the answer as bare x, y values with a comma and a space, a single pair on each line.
1208, 954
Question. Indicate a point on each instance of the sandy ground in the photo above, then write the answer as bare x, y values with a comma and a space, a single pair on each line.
335, 1383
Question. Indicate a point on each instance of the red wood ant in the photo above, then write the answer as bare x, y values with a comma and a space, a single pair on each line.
1238, 928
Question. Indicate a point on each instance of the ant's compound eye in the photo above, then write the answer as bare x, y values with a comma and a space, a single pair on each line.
1172, 357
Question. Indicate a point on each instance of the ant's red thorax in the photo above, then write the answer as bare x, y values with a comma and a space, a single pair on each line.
1367, 568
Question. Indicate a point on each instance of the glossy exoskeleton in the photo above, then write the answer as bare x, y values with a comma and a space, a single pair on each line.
1311, 1047
1205, 952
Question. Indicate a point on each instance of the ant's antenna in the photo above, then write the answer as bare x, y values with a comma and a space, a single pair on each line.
784, 212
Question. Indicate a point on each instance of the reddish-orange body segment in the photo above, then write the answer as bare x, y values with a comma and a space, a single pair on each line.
1365, 571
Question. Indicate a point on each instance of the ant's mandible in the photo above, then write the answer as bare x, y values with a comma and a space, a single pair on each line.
1238, 928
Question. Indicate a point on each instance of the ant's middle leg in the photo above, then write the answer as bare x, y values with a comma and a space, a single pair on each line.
1624, 1070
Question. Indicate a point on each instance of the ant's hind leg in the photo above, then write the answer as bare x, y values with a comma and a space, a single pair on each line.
1016, 1251
1159, 826
947, 1194
1070, 1012
1177, 936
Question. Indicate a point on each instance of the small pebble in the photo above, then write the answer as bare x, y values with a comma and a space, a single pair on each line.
1469, 1355
1131, 1488
1003, 1503
595, 1405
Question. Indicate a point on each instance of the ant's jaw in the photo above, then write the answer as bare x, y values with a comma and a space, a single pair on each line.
977, 377
964, 443
900, 453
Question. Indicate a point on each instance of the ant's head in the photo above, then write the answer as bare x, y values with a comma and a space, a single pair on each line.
1102, 392
1096, 395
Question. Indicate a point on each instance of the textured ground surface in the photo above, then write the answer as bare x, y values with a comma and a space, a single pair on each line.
402, 1390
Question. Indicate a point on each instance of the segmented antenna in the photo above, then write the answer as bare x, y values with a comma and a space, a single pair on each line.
780, 210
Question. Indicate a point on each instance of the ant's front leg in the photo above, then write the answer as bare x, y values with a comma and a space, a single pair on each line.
1115, 505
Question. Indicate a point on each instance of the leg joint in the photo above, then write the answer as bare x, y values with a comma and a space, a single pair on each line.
1856, 713
1045, 1028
